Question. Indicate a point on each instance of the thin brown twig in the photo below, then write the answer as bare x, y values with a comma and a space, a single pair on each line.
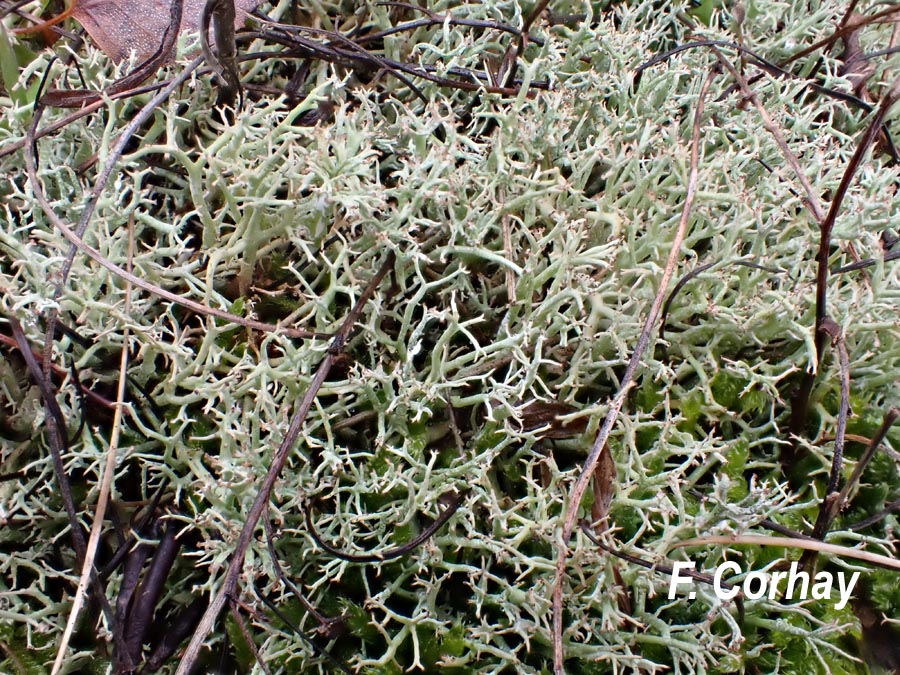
60, 372
590, 463
283, 577
106, 480
248, 638
875, 517
435, 19
58, 442
114, 156
230, 581
352, 56
74, 116
324, 653
222, 59
889, 418
510, 64
812, 200
826, 224
805, 544
848, 13
847, 26
772, 69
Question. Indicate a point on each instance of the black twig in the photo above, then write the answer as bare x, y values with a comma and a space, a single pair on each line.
175, 633
772, 69
324, 653
587, 528
862, 264
893, 507
143, 605
694, 273
392, 553
284, 579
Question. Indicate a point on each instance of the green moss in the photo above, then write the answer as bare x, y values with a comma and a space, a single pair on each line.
726, 389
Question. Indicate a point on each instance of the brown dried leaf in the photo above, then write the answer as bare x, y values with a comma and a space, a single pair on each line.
539, 414
604, 486
856, 66
120, 26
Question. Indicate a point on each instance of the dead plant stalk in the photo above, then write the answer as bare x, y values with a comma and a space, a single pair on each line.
600, 444
229, 583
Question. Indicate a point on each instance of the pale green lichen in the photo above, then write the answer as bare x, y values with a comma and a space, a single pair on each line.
567, 196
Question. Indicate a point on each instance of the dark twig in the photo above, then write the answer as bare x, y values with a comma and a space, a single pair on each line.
131, 577
12, 7
666, 55
811, 199
848, 13
862, 264
769, 67
587, 528
175, 633
324, 653
15, 146
58, 443
284, 579
826, 223
392, 553
229, 583
832, 501
355, 57
82, 406
222, 60
694, 273
435, 19
893, 507
889, 418
140, 616
765, 522
848, 25
248, 638
383, 64
125, 548
800, 405
760, 61
94, 398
